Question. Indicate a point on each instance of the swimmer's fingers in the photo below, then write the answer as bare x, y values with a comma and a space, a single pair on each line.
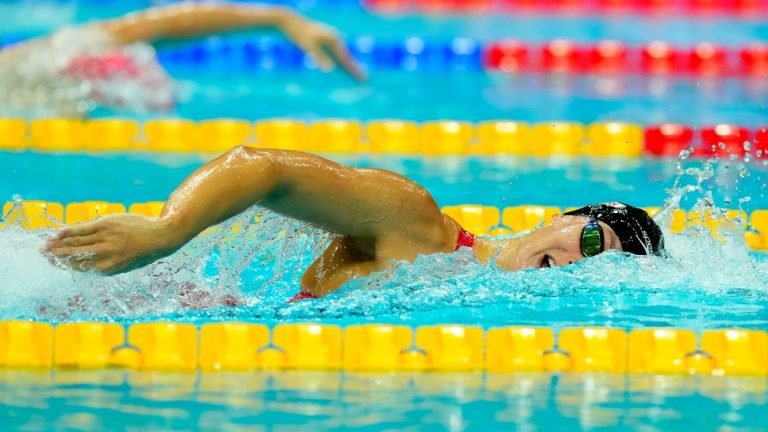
82, 229
344, 57
323, 44
73, 241
75, 257
84, 258
75, 230
314, 48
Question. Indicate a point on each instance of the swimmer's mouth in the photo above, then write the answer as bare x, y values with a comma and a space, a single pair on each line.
546, 262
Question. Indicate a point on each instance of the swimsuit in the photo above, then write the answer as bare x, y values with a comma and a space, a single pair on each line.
465, 239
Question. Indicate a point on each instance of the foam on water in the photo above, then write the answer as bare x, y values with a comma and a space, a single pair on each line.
256, 266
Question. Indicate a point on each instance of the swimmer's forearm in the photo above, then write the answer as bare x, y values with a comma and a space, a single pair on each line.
217, 191
186, 20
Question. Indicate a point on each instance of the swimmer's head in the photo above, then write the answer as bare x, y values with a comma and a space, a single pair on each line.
585, 232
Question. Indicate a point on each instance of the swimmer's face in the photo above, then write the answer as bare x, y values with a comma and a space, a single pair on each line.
553, 245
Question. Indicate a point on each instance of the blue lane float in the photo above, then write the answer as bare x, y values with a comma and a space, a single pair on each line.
411, 54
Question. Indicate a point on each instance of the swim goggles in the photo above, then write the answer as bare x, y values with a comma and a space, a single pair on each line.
592, 238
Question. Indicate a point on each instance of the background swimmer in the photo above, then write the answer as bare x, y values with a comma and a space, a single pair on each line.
109, 62
380, 217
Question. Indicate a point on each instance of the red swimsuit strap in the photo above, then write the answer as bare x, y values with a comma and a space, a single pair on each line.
301, 296
466, 239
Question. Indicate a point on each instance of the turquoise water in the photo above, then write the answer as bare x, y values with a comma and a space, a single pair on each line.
229, 89
261, 265
76, 401
496, 181
472, 96
707, 284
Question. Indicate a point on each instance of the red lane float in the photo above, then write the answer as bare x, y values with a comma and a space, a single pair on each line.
703, 6
520, 4
754, 59
760, 146
617, 5
750, 6
707, 59
659, 58
722, 140
668, 139
655, 6
723, 6
608, 57
563, 56
569, 5
507, 55
674, 7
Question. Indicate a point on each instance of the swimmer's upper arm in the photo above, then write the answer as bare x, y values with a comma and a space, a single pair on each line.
357, 202
353, 201
191, 19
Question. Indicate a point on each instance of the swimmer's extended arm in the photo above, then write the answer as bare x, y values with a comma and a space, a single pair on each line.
374, 206
196, 19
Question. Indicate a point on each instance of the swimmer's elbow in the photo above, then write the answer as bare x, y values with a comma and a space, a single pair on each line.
239, 152
261, 166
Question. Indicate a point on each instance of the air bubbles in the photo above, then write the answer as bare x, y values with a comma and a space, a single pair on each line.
743, 171
221, 267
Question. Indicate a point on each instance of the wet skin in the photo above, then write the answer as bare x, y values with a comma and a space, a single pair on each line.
380, 218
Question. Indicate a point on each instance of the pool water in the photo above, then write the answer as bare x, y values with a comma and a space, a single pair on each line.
471, 96
261, 265
225, 87
496, 181
709, 283
333, 401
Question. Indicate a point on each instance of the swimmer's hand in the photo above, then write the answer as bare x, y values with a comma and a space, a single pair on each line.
111, 245
322, 42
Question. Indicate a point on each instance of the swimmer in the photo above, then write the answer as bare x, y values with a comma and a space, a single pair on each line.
110, 63
379, 218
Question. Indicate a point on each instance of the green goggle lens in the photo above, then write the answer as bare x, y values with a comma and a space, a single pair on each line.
592, 239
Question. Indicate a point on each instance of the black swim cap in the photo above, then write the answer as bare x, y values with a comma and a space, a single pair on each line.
637, 232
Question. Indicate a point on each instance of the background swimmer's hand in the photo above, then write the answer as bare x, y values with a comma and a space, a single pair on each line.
112, 244
322, 42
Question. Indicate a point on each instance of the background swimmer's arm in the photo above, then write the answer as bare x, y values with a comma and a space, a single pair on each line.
196, 19
371, 206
